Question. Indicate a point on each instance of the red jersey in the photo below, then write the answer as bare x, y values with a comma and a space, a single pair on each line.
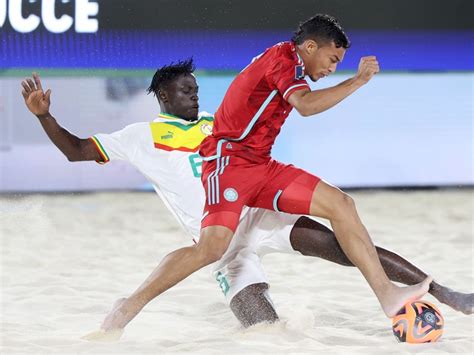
255, 105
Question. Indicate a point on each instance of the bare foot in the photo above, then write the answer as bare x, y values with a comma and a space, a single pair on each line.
395, 298
117, 318
103, 336
110, 330
461, 302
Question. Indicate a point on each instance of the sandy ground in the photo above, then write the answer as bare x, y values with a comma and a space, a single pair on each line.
66, 258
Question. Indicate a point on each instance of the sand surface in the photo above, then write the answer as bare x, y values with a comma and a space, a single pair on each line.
66, 258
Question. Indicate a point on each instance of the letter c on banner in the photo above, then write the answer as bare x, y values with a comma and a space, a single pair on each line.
18, 22
50, 21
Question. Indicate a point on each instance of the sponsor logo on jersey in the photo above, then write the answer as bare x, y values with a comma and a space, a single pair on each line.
167, 136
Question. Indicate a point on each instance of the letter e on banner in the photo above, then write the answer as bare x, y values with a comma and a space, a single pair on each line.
84, 10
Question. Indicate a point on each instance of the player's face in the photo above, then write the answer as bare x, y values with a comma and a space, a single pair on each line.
182, 97
322, 60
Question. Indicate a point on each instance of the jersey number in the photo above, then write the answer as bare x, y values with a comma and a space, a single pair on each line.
196, 164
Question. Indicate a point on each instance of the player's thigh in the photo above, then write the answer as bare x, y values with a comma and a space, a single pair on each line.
297, 196
286, 189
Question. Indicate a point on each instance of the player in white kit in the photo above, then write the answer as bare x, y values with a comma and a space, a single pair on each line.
165, 151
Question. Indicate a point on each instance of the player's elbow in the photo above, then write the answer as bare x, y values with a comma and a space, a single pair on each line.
76, 154
304, 112
73, 158
83, 150
309, 110
301, 103
303, 109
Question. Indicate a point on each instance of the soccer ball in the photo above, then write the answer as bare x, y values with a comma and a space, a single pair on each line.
418, 322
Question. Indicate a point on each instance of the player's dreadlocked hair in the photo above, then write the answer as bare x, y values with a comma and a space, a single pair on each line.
323, 29
168, 73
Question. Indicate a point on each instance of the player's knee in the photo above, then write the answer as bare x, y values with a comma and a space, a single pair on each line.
343, 205
213, 254
208, 254
212, 248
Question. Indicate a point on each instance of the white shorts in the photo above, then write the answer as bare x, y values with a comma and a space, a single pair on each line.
259, 232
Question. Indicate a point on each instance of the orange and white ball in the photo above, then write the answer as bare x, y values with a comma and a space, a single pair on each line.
418, 322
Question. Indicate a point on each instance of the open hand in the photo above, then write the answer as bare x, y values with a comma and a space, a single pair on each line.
36, 100
368, 67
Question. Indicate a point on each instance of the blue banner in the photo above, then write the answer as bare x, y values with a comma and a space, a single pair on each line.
225, 50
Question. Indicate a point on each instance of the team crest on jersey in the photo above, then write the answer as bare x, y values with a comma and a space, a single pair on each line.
206, 129
230, 194
299, 72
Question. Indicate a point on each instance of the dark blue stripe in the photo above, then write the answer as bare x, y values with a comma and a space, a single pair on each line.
231, 50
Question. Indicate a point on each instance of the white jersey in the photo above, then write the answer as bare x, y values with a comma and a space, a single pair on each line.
166, 152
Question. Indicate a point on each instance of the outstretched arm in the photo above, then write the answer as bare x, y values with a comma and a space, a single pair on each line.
309, 103
38, 102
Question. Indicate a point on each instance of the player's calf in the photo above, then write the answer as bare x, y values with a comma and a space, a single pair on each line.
252, 305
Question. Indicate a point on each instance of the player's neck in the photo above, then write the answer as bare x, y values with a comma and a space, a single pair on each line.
172, 116
299, 53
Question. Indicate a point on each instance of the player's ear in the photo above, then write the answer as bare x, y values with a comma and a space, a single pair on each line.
310, 46
162, 96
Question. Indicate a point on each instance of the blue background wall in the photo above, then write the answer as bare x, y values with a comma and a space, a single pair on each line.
406, 50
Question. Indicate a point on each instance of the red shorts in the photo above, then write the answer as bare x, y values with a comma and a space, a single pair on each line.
232, 182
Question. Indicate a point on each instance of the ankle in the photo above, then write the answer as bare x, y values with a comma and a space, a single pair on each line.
439, 292
134, 303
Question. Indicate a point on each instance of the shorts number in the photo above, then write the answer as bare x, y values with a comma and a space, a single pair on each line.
223, 284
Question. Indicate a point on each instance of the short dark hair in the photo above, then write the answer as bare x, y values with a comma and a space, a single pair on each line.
169, 73
322, 29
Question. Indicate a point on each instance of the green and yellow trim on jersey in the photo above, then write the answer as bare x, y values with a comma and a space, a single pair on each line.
101, 150
169, 116
174, 133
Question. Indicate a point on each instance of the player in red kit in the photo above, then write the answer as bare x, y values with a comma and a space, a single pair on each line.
238, 169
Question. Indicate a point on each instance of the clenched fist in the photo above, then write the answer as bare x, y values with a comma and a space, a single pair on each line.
368, 67
36, 100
